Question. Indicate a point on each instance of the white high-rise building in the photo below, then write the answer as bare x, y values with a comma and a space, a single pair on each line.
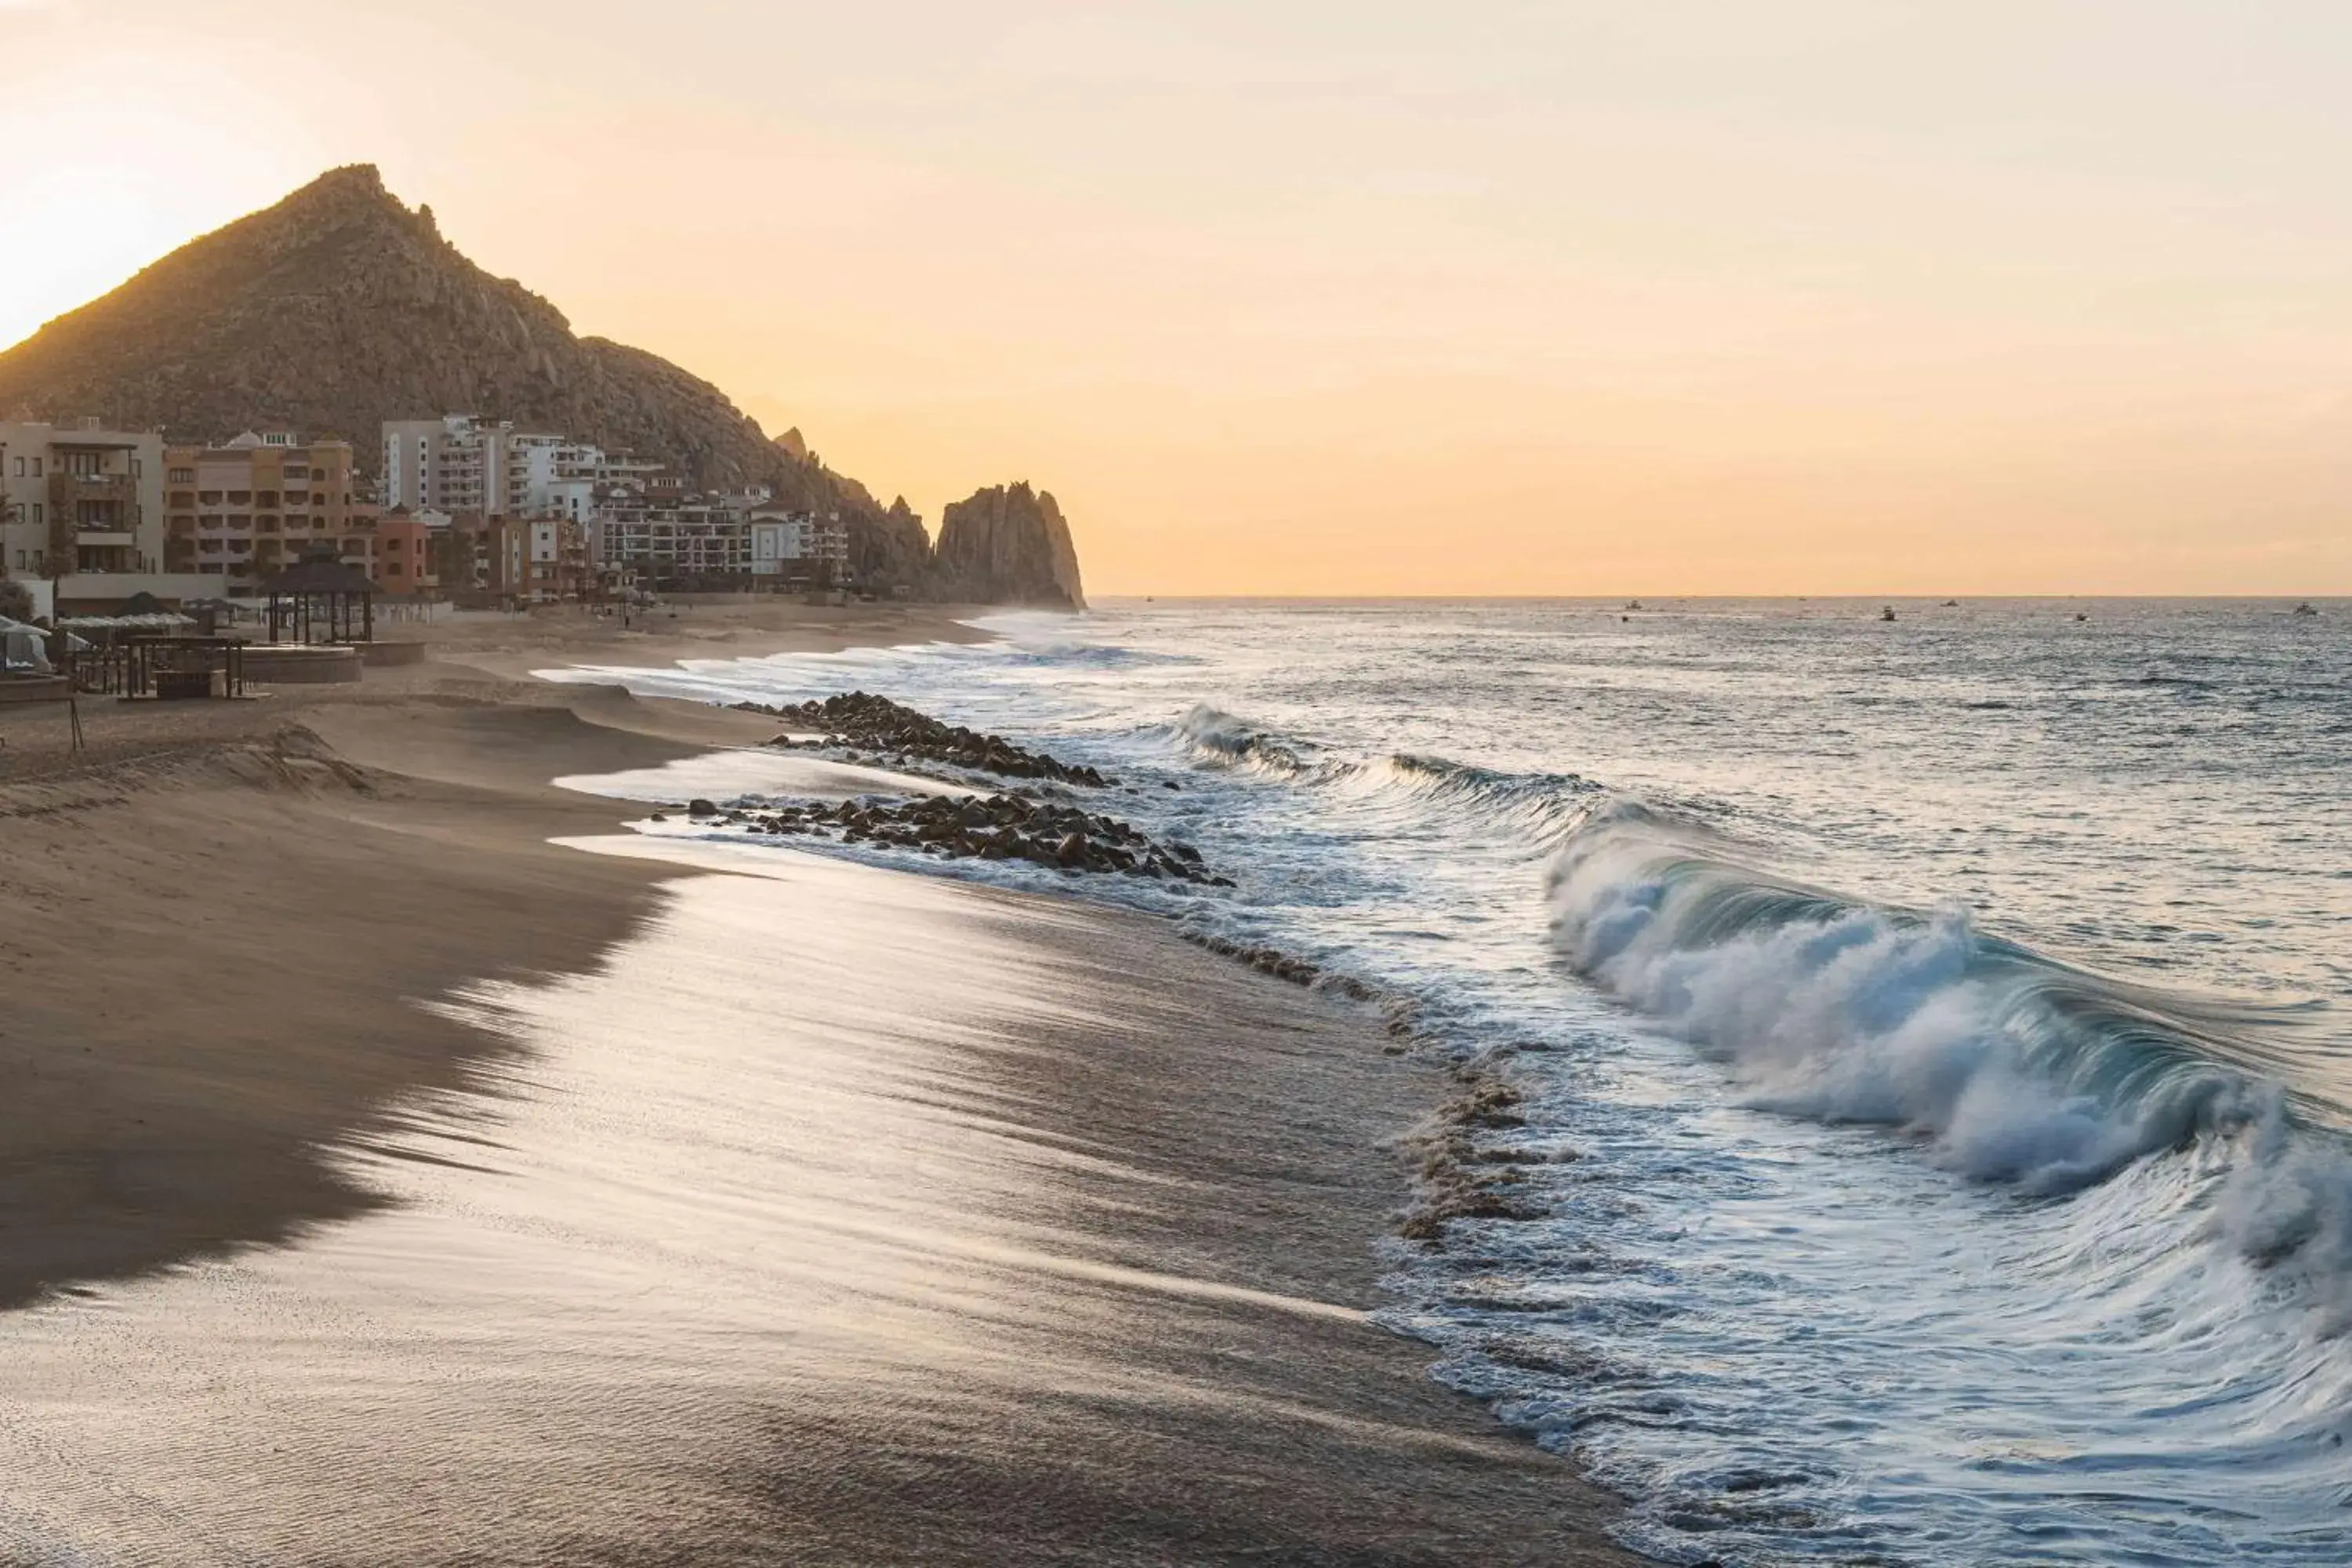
551, 475
460, 464
454, 464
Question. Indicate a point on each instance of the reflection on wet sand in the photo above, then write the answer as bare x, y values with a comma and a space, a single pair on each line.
839, 1217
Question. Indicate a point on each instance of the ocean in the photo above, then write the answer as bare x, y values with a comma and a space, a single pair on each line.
1931, 1031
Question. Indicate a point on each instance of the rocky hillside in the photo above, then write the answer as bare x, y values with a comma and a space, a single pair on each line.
340, 307
1008, 545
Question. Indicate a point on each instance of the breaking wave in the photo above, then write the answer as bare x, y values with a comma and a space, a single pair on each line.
2009, 1065
1219, 739
2069, 1285
1539, 807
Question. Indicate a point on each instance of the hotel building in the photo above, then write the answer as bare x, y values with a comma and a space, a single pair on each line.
82, 506
242, 511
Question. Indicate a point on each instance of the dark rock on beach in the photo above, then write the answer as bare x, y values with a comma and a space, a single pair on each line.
1000, 827
862, 720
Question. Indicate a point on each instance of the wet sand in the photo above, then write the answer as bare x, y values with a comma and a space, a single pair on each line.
953, 1225
513, 645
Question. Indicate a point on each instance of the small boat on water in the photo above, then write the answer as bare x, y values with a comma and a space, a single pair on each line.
1951, 604
2081, 616
2304, 609
1887, 614
1632, 603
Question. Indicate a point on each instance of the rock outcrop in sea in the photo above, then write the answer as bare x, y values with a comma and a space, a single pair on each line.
1009, 545
340, 307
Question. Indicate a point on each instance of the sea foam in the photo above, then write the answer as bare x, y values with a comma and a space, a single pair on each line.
2010, 1065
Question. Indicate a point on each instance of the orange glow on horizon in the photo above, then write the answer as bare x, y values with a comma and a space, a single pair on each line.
1312, 299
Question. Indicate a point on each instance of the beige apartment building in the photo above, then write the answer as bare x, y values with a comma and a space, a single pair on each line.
242, 511
81, 508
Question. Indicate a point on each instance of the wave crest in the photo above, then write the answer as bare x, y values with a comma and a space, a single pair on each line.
2014, 1067
1536, 806
1220, 738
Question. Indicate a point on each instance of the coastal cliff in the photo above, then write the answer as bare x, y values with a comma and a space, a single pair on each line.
1009, 545
340, 307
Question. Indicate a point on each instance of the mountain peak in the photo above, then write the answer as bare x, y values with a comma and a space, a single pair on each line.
363, 179
353, 194
338, 309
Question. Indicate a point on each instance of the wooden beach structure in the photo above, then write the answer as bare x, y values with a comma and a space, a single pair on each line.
319, 601
174, 668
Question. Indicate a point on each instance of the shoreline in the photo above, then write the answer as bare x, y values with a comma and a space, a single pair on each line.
234, 922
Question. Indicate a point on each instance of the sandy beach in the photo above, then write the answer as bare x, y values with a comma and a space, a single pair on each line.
1066, 1258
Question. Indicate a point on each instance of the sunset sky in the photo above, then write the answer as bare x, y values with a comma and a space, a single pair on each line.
1289, 296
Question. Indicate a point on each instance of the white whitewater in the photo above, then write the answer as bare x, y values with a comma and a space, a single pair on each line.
1932, 1031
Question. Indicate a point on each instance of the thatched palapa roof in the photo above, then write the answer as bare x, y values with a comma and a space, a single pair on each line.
320, 572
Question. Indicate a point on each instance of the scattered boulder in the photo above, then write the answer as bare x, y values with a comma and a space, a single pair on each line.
859, 719
1001, 828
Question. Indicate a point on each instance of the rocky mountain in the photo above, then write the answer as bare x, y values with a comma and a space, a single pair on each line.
340, 307
1008, 545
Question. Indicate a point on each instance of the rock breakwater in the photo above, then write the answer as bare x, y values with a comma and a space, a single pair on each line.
859, 719
1000, 827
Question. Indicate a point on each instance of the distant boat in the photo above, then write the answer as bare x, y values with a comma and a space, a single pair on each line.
1887, 614
1632, 603
1951, 604
2304, 609
2081, 616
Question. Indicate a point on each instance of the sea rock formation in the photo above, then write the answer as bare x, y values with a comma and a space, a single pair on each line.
1009, 545
1001, 828
340, 307
904, 737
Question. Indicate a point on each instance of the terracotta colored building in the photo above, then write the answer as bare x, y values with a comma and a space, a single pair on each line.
249, 508
394, 550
